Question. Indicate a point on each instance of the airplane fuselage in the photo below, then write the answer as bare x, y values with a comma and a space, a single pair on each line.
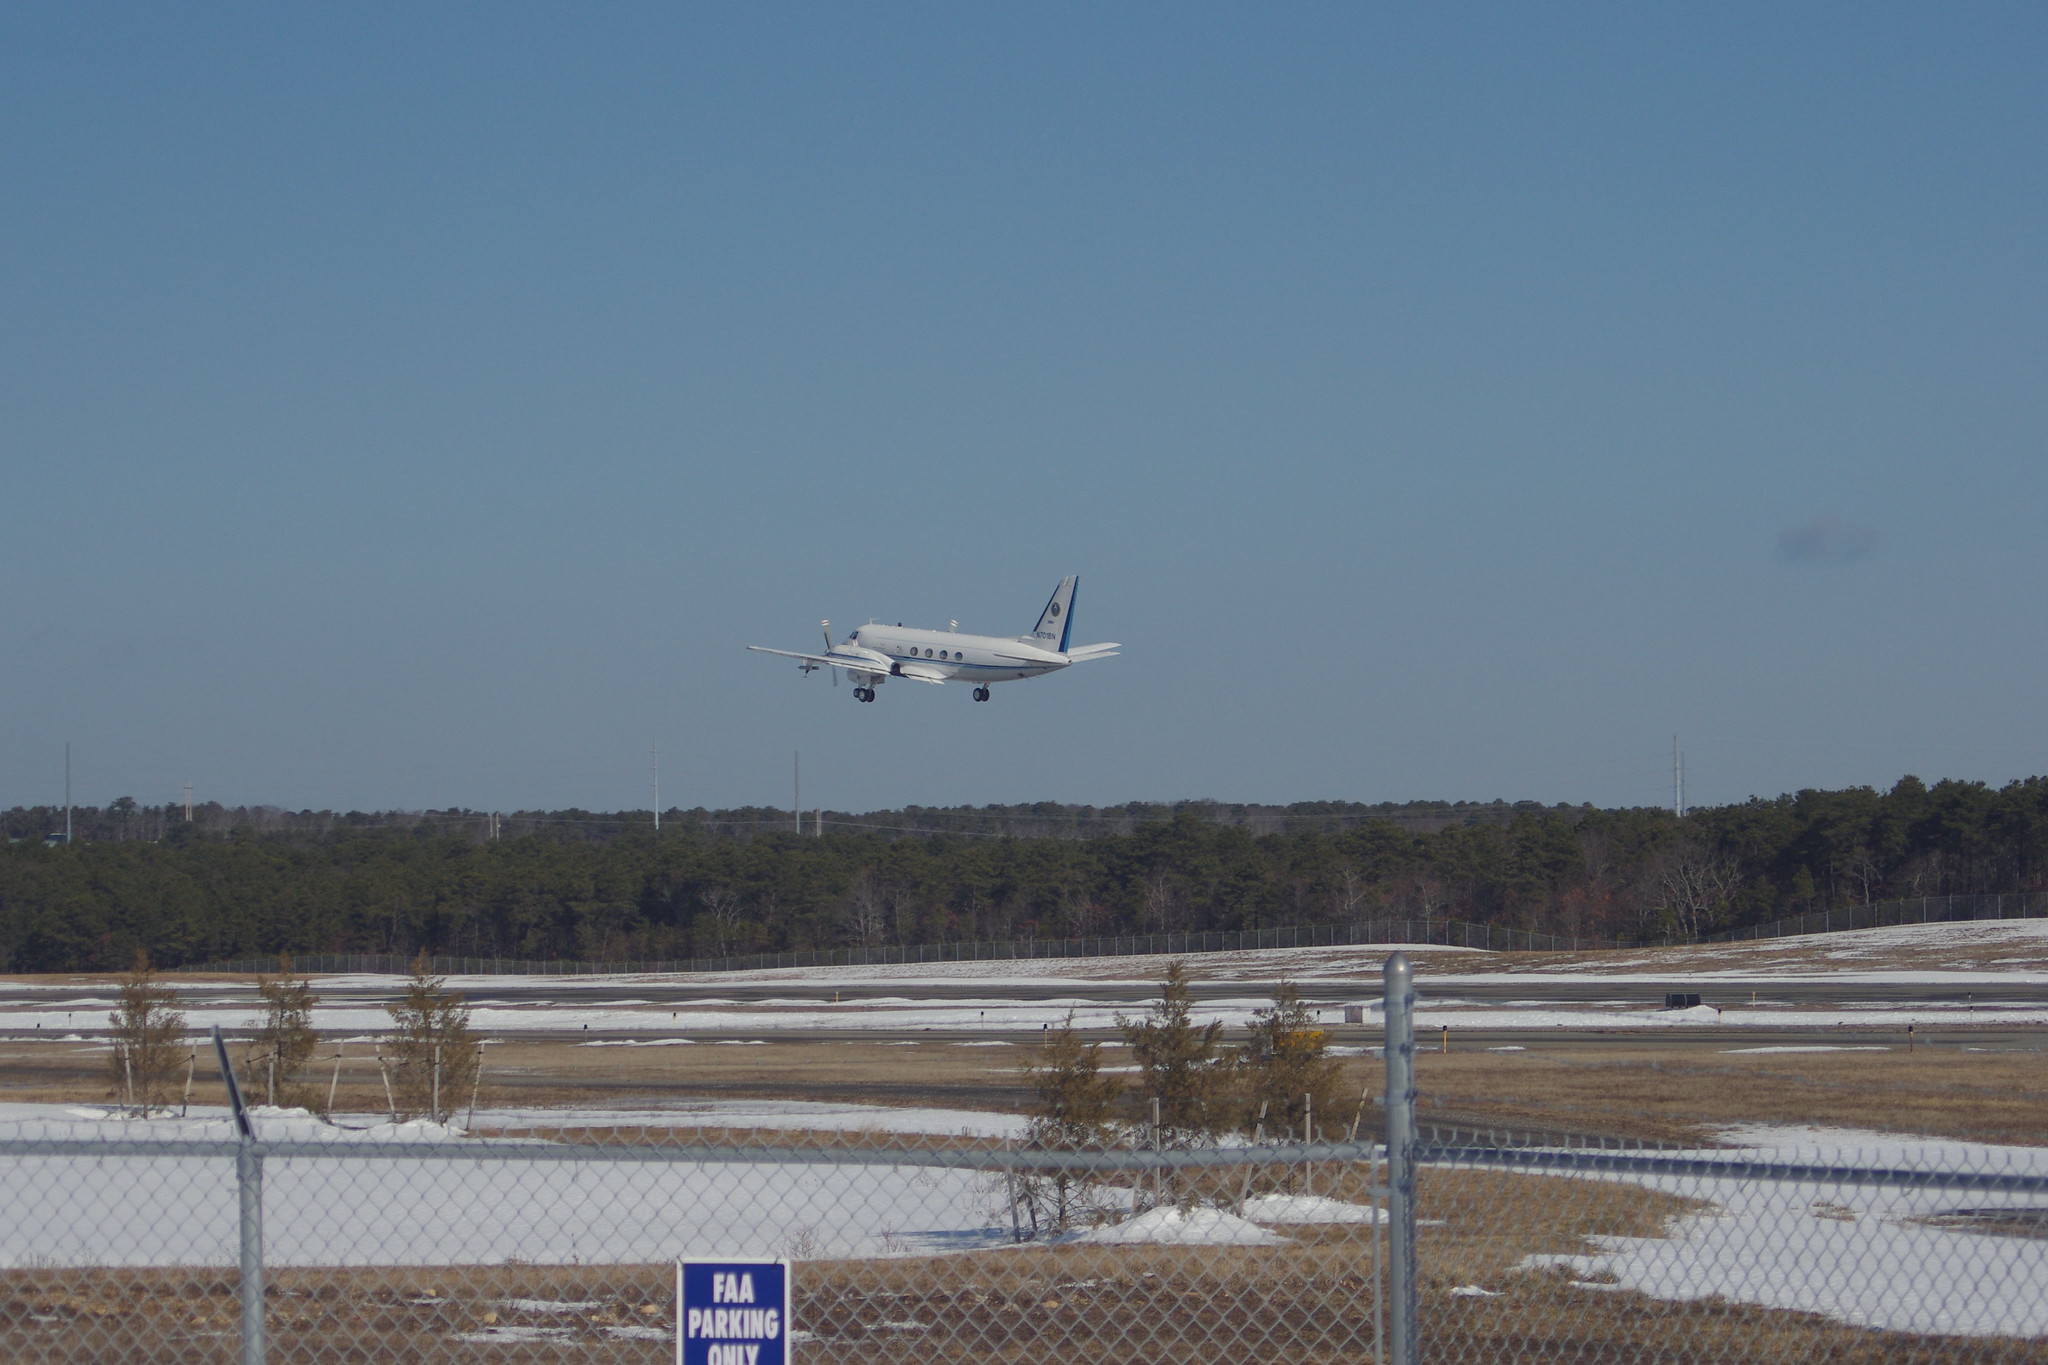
969, 658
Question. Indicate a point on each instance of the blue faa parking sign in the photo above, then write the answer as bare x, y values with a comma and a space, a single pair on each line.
732, 1313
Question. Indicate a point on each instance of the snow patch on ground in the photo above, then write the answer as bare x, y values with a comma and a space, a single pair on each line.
488, 1336
1170, 1226
1309, 1208
808, 1116
420, 1210
1859, 1254
641, 1042
207, 1123
1809, 1048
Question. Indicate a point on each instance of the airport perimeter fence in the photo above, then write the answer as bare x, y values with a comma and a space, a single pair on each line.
1884, 914
289, 1242
1415, 932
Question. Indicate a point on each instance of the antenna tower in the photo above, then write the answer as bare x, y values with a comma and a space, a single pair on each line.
1677, 778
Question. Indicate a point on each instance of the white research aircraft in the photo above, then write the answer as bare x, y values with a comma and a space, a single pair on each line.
875, 653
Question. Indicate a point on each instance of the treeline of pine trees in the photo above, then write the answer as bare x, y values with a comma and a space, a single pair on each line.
716, 884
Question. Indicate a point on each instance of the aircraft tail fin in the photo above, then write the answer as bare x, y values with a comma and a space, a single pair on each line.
1056, 622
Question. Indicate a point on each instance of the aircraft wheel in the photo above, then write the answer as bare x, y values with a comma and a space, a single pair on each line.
981, 694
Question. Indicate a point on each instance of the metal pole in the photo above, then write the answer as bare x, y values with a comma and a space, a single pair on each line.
1399, 978
249, 1183
1379, 1300
476, 1085
1010, 1183
1308, 1134
249, 1188
1158, 1172
335, 1080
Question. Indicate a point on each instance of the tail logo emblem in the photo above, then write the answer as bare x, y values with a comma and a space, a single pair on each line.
1055, 609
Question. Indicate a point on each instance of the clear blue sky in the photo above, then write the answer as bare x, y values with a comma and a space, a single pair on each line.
414, 405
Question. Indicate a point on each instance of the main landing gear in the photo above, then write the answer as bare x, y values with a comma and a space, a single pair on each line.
981, 694
863, 694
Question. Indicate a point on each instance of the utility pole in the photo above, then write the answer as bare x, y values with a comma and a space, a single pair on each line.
796, 800
67, 793
188, 803
1677, 779
655, 752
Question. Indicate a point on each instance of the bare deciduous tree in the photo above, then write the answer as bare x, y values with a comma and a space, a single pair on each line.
1162, 902
1862, 866
722, 914
867, 911
1080, 914
1353, 894
1691, 889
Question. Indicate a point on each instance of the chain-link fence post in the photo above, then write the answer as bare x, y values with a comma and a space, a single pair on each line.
249, 1183
1399, 1004
249, 1190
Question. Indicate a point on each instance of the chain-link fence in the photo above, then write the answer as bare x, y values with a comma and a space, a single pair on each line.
1913, 1251
907, 1248
203, 1242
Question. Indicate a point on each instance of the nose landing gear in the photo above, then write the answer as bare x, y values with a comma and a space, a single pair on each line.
981, 694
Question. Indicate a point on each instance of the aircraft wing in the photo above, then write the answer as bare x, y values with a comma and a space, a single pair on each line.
856, 665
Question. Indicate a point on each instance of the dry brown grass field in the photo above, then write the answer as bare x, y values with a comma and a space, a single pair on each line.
1640, 1088
1685, 1095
